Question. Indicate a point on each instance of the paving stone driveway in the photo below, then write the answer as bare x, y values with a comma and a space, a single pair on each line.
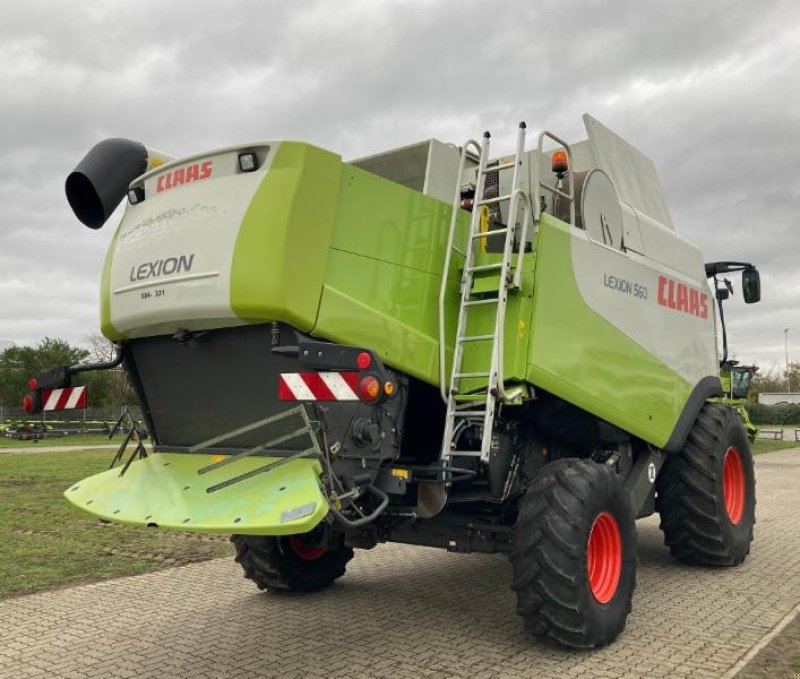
410, 612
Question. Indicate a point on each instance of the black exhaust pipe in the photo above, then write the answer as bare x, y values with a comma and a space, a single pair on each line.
100, 181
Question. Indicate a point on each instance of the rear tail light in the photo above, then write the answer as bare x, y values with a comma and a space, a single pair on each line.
32, 383
32, 402
364, 360
369, 388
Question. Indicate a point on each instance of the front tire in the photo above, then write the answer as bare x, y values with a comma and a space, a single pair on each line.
290, 563
706, 492
574, 556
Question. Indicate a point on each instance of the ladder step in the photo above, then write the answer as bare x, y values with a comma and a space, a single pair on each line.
486, 234
469, 413
466, 405
476, 338
497, 168
465, 453
472, 374
479, 302
493, 201
484, 267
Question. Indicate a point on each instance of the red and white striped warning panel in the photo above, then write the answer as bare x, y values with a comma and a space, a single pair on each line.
69, 398
318, 386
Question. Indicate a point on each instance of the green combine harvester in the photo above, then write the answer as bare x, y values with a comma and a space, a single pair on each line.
428, 346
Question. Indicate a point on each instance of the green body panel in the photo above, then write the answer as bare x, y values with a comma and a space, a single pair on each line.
751, 428
588, 361
741, 383
384, 271
280, 253
481, 321
106, 327
165, 489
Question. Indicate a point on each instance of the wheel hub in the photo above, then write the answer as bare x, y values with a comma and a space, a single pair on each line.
304, 550
733, 485
604, 557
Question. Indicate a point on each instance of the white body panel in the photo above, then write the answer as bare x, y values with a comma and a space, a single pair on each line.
677, 325
172, 260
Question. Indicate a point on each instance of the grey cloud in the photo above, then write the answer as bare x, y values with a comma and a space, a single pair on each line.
708, 90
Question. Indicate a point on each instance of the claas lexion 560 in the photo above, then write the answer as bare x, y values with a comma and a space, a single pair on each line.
428, 346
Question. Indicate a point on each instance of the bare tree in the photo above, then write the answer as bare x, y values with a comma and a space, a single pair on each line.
102, 350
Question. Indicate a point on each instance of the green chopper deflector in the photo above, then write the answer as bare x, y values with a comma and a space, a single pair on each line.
431, 345
164, 490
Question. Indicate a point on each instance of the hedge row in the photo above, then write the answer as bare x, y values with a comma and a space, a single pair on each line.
781, 415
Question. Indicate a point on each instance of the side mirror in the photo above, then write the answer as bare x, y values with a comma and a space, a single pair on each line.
751, 285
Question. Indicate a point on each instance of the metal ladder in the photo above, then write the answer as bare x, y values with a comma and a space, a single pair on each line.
482, 405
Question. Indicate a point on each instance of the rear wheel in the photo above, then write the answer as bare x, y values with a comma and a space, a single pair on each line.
291, 563
574, 556
706, 492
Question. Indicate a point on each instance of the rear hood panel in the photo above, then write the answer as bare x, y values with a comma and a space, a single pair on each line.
173, 253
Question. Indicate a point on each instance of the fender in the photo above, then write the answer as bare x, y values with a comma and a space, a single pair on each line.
706, 388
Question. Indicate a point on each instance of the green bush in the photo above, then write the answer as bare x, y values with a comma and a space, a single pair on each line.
788, 414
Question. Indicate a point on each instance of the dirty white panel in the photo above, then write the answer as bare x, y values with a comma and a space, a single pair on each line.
633, 174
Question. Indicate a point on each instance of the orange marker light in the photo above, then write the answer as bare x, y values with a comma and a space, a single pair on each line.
559, 162
388, 388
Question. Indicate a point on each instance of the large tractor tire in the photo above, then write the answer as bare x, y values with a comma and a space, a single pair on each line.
290, 563
574, 556
706, 493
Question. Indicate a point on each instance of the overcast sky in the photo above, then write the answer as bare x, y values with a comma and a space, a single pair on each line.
709, 90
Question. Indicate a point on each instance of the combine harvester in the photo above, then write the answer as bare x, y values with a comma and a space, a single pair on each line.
425, 346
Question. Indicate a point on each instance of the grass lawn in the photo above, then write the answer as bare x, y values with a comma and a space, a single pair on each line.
768, 445
76, 440
45, 542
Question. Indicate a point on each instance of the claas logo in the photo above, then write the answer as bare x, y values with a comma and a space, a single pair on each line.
682, 297
184, 175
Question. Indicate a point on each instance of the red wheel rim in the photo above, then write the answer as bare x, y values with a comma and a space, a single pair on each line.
604, 557
303, 549
733, 486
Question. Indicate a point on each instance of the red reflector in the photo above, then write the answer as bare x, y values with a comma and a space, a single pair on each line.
32, 383
369, 388
27, 403
364, 360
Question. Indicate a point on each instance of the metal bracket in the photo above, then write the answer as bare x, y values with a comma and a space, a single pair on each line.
133, 430
305, 430
642, 477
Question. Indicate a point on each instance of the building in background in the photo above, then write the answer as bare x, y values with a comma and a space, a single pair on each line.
778, 398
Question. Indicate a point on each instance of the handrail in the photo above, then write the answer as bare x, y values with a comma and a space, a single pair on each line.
446, 268
540, 184
499, 344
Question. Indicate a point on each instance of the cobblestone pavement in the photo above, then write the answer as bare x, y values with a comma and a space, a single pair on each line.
410, 612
